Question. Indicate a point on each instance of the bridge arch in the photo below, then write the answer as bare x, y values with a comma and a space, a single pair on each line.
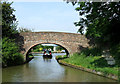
72, 42
63, 46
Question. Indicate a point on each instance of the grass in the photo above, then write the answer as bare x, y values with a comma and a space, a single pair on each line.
30, 55
61, 56
92, 60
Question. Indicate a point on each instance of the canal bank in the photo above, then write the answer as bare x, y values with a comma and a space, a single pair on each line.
60, 60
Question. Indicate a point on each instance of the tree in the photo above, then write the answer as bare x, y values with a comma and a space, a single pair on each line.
8, 20
0, 14
102, 20
21, 29
59, 48
40, 47
10, 50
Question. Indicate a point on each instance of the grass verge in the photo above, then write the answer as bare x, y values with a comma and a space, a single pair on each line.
91, 59
97, 63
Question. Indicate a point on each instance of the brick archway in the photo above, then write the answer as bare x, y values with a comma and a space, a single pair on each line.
70, 41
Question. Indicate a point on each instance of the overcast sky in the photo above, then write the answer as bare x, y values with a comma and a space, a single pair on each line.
46, 16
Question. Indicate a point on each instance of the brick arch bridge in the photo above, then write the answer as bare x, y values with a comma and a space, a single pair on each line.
72, 42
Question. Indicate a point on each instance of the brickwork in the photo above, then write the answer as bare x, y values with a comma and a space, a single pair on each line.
72, 42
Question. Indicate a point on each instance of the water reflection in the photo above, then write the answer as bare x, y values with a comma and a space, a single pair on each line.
47, 58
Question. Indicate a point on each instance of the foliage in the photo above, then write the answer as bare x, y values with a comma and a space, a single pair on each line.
8, 20
119, 74
10, 53
30, 55
59, 48
61, 56
92, 62
48, 47
21, 29
0, 14
115, 51
92, 51
0, 51
38, 48
102, 20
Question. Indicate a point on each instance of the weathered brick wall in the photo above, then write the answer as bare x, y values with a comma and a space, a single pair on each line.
71, 41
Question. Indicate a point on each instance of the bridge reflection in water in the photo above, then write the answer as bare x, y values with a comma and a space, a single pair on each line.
41, 69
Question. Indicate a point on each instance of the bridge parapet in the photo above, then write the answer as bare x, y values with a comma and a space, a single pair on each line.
59, 36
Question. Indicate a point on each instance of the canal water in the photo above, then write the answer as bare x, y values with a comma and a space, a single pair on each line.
41, 69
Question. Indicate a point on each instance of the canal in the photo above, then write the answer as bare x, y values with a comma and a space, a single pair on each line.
40, 69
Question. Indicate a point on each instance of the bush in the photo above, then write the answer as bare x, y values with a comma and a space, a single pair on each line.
0, 51
10, 53
92, 51
115, 51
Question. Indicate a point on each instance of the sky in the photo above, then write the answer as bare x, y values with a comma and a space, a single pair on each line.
46, 16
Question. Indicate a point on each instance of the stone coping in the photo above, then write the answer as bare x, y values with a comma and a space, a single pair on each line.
51, 32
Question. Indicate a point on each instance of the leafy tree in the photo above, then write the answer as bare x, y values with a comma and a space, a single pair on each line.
10, 50
59, 48
102, 20
0, 14
21, 29
48, 47
37, 48
0, 51
8, 20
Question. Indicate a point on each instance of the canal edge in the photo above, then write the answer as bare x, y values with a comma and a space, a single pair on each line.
110, 76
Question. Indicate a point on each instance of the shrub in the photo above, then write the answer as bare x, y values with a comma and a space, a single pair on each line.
115, 51
92, 51
10, 53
